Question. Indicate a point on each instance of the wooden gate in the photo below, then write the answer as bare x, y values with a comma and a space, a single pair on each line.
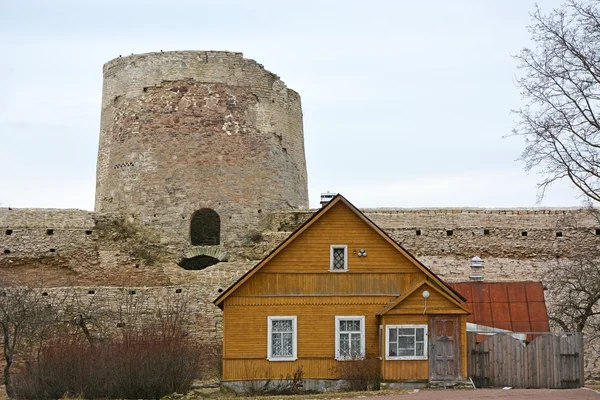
553, 360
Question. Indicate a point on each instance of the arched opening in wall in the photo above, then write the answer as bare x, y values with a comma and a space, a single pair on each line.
198, 262
205, 228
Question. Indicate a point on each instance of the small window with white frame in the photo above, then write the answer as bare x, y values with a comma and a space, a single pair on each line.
338, 258
282, 339
406, 342
349, 338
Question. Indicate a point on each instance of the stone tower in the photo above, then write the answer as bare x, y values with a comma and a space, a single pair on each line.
204, 139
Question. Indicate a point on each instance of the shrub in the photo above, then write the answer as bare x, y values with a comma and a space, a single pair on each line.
360, 374
291, 384
136, 367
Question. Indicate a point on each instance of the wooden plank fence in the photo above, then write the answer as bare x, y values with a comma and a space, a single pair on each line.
551, 360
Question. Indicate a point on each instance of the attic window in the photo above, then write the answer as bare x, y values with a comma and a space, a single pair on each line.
524, 233
418, 232
338, 257
49, 231
486, 231
449, 232
559, 234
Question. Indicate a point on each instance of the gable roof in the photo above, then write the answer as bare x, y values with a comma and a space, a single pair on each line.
337, 199
391, 305
514, 306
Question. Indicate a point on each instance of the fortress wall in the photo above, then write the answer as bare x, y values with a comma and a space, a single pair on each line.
138, 306
83, 255
57, 247
40, 244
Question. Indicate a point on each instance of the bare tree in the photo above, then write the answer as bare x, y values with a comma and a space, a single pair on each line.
560, 83
575, 288
25, 318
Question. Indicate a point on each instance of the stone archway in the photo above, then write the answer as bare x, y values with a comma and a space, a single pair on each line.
202, 257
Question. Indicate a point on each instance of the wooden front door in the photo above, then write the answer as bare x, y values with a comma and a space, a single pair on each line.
444, 348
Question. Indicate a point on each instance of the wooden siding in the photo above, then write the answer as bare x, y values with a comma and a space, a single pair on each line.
463, 346
417, 369
328, 283
246, 328
436, 303
259, 368
309, 252
392, 370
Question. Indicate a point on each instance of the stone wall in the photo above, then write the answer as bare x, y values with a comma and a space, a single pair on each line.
64, 247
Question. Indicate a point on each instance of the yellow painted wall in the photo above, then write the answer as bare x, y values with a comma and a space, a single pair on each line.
437, 303
245, 349
309, 252
297, 282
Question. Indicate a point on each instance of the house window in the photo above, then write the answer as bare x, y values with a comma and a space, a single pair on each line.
349, 338
282, 339
338, 257
406, 342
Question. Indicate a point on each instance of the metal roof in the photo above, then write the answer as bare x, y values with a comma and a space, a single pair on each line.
514, 306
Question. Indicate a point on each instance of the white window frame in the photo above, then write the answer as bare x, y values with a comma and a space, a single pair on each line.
387, 342
338, 246
361, 318
294, 356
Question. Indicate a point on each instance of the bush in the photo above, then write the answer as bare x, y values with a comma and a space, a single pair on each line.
136, 367
360, 374
291, 384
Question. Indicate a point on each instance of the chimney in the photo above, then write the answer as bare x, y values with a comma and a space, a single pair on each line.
326, 198
476, 269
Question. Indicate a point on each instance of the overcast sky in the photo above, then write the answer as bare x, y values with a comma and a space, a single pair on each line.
406, 103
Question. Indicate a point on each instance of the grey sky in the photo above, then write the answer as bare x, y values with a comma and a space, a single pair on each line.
405, 102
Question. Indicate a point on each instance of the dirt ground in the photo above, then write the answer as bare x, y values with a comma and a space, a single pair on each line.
530, 394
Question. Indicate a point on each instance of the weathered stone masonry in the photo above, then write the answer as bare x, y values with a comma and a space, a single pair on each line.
188, 131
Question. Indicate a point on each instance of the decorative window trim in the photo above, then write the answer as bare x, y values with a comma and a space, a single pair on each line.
387, 342
361, 318
294, 356
338, 246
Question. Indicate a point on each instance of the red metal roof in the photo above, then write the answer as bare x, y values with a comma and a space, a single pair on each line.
515, 306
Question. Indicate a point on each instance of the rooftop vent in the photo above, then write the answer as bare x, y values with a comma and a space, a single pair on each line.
326, 198
476, 269
476, 262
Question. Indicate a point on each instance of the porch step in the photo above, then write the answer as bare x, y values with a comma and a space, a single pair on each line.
457, 384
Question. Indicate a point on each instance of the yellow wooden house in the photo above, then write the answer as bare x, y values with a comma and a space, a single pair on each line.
337, 289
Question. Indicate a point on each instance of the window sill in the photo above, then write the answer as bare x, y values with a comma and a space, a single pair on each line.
282, 358
338, 270
388, 358
358, 358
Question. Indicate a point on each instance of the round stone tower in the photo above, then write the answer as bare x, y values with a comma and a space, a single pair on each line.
201, 145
